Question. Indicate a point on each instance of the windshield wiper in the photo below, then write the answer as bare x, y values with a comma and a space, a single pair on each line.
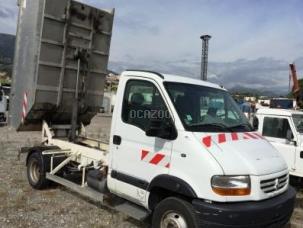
242, 125
209, 125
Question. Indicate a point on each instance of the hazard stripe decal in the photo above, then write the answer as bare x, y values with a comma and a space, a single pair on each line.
221, 138
258, 135
143, 154
234, 136
24, 107
207, 141
158, 158
250, 135
227, 137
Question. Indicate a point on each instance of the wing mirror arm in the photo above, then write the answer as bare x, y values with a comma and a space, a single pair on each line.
290, 138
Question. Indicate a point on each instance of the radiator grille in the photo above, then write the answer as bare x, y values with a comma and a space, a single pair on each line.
274, 184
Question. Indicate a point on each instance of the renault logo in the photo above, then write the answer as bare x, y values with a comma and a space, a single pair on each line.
276, 186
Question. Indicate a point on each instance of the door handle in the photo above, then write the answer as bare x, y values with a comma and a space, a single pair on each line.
117, 140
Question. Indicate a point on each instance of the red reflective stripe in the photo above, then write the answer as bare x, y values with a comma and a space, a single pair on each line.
258, 135
250, 135
156, 159
24, 107
221, 138
25, 99
143, 154
234, 136
207, 141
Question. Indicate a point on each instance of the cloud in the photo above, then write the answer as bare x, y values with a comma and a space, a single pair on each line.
252, 41
8, 16
7, 13
262, 73
170, 30
137, 25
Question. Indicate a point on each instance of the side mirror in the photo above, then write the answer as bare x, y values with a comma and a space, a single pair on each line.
290, 137
255, 123
162, 129
154, 128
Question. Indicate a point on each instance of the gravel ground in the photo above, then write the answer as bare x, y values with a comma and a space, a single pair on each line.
21, 206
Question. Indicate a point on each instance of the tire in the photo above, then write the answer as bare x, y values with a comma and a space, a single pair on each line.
174, 212
36, 171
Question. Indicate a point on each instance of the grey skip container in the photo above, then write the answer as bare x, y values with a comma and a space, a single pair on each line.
49, 34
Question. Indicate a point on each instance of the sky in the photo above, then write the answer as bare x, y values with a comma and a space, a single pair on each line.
253, 41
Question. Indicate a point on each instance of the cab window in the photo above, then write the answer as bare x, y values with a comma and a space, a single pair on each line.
142, 102
275, 127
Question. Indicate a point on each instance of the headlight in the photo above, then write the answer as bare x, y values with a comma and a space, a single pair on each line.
231, 185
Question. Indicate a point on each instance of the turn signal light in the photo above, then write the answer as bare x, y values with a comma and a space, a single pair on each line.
232, 191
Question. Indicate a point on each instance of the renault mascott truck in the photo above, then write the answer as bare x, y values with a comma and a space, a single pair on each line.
180, 151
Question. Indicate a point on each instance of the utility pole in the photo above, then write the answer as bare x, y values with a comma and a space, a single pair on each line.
204, 56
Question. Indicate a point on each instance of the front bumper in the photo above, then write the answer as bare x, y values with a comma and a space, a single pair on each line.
274, 212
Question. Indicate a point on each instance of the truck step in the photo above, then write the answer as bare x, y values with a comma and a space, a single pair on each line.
116, 203
132, 210
85, 191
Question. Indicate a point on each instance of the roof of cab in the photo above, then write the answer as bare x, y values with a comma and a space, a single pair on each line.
278, 112
168, 78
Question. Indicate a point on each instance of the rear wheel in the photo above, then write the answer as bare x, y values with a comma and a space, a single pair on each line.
174, 213
36, 171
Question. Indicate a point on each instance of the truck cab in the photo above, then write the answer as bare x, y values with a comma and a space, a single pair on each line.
178, 137
283, 128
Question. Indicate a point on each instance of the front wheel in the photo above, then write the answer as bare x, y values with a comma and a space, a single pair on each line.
174, 213
36, 171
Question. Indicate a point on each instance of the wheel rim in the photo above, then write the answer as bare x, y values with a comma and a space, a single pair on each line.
34, 171
173, 220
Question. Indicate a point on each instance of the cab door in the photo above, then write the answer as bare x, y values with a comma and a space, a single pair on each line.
275, 130
138, 158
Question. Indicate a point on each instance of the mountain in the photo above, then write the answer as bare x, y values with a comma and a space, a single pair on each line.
258, 92
7, 48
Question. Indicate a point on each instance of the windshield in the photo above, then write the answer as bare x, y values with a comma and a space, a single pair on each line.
206, 109
298, 121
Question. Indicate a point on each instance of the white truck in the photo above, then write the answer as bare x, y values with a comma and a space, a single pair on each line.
186, 168
283, 128
180, 150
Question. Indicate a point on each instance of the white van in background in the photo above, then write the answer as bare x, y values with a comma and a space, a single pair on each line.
283, 128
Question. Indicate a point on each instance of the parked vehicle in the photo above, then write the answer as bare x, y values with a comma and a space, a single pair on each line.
3, 106
180, 149
6, 90
282, 103
283, 128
